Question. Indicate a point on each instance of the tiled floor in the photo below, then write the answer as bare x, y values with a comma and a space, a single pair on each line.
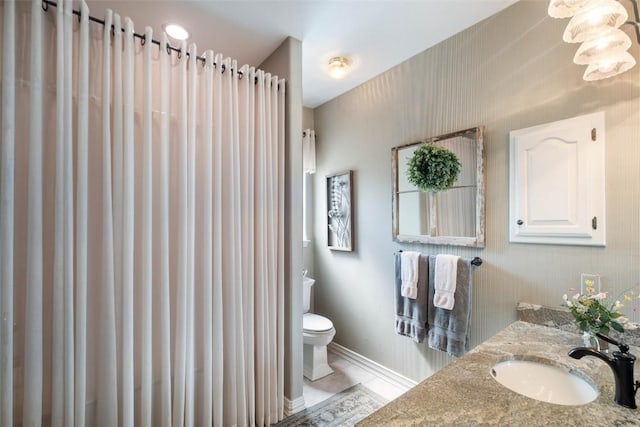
344, 376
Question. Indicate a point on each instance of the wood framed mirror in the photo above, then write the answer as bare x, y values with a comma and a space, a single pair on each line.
451, 217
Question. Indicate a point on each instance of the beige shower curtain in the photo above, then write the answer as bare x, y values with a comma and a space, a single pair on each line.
141, 230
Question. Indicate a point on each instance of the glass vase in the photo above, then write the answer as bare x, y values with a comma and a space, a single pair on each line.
591, 340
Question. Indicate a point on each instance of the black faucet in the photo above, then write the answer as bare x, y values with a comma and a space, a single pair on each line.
622, 366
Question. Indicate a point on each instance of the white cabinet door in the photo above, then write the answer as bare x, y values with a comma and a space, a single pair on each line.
556, 173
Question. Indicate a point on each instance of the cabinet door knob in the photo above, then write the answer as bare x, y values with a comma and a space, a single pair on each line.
519, 222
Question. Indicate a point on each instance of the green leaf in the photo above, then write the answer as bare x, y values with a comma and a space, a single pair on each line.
583, 325
433, 168
617, 326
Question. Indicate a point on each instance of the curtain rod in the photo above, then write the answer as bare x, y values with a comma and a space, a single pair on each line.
142, 37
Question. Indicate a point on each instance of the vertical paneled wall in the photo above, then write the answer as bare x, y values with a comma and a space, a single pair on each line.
286, 61
508, 72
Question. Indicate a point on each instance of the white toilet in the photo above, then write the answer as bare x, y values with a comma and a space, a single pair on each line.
318, 331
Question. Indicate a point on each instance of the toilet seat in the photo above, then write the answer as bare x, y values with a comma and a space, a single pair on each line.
314, 323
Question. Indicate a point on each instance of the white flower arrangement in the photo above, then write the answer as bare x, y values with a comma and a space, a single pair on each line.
595, 314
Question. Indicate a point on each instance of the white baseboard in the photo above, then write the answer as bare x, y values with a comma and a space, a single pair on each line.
293, 406
371, 366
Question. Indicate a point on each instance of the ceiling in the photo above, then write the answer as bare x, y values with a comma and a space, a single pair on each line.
374, 34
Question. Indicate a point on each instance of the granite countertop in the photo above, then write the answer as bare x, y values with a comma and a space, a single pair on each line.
464, 393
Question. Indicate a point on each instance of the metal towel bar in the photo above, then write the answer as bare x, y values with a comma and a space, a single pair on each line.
477, 261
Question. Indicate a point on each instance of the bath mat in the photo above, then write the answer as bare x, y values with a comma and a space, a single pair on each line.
344, 409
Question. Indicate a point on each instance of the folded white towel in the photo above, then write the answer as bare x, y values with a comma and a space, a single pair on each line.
409, 274
445, 277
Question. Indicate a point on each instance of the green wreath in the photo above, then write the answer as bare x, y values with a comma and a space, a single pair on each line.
433, 168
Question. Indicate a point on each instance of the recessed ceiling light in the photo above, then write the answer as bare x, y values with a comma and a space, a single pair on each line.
338, 67
176, 32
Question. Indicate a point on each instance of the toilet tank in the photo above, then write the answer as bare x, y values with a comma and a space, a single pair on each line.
307, 283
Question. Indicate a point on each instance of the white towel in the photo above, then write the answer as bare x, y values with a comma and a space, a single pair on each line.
409, 274
445, 278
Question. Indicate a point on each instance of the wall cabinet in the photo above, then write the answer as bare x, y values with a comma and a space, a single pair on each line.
557, 181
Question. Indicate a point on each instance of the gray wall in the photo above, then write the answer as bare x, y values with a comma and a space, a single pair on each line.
508, 72
307, 118
307, 251
286, 62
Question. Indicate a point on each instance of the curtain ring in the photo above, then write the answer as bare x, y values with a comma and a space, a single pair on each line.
223, 68
203, 60
45, 5
79, 16
240, 75
143, 39
179, 53
168, 49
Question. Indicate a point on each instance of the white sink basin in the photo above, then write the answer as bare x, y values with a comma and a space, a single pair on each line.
544, 381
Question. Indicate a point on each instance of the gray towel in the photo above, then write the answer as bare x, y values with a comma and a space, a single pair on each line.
449, 329
411, 314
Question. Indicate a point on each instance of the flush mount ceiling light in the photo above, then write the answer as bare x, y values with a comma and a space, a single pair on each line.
609, 67
595, 17
565, 8
176, 31
595, 24
596, 50
338, 67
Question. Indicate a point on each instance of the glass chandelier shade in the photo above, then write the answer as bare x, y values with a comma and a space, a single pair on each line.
596, 17
598, 49
609, 66
338, 67
565, 8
